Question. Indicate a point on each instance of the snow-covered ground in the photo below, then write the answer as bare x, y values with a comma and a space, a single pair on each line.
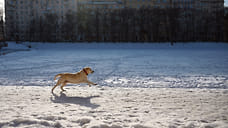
139, 86
112, 107
192, 65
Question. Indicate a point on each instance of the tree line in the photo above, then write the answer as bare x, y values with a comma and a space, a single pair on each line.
128, 25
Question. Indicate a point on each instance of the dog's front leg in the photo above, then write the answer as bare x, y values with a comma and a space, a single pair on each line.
89, 83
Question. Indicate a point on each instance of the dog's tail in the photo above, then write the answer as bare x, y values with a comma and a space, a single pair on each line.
58, 75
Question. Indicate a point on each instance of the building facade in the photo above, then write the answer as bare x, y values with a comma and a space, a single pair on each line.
100, 4
209, 19
226, 24
147, 3
1, 23
108, 20
20, 15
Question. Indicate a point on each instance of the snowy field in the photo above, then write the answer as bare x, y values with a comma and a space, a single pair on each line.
139, 86
109, 107
191, 65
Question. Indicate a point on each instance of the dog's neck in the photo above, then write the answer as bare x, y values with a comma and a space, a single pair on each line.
85, 72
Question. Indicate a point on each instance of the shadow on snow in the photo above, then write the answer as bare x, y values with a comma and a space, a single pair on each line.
83, 101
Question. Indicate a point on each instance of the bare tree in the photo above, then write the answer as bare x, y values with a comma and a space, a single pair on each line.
50, 26
69, 26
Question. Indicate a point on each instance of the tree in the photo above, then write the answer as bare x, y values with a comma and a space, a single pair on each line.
173, 23
69, 26
82, 23
50, 25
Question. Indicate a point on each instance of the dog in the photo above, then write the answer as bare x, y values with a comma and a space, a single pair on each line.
74, 78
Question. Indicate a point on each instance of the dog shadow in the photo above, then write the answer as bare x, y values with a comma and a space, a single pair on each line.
82, 101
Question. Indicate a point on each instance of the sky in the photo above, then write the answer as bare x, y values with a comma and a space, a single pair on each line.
226, 2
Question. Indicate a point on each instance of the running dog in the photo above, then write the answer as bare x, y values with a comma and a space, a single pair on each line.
74, 78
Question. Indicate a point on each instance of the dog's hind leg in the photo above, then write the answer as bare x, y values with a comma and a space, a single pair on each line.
54, 88
58, 83
64, 83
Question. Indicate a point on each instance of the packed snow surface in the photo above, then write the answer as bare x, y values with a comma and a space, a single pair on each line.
191, 65
112, 107
140, 85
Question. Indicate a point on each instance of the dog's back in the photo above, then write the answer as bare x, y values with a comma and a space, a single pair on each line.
58, 75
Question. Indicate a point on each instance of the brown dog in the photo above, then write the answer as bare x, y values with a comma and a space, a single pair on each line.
74, 78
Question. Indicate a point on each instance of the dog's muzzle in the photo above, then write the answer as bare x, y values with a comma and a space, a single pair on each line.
92, 72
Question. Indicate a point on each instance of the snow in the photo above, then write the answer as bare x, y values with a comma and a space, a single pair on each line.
140, 85
191, 65
13, 47
113, 107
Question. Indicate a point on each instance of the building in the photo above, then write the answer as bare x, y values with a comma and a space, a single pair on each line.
21, 14
226, 11
114, 20
183, 4
199, 20
137, 4
120, 4
2, 39
226, 24
1, 23
100, 4
209, 21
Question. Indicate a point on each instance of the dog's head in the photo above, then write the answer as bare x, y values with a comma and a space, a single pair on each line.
88, 70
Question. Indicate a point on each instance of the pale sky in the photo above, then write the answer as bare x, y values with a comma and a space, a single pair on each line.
226, 2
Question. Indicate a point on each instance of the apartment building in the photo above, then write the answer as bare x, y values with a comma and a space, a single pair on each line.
25, 18
226, 24
225, 11
209, 14
1, 9
120, 4
186, 4
19, 14
1, 22
100, 4
146, 3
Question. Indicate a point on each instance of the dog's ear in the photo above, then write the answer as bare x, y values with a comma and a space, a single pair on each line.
87, 68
